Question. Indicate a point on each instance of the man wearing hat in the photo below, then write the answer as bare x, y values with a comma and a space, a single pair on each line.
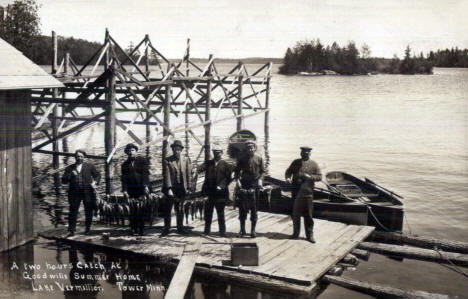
82, 178
217, 178
304, 173
135, 183
176, 186
249, 174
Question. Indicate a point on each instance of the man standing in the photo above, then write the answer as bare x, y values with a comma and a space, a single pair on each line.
82, 178
217, 178
135, 183
177, 184
249, 174
305, 173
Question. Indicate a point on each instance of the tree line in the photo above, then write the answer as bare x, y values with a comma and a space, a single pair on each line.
20, 26
312, 56
449, 58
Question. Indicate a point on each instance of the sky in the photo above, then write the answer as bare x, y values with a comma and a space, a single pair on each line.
262, 28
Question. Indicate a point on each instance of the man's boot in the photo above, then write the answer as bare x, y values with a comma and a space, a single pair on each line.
310, 235
242, 228
207, 227
180, 225
252, 230
88, 226
296, 227
167, 226
222, 225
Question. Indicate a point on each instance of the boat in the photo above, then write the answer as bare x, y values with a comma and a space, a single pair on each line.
372, 205
381, 209
238, 141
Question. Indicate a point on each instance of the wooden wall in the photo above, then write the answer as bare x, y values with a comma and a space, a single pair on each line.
16, 208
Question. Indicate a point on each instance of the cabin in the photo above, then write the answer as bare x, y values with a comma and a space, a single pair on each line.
18, 76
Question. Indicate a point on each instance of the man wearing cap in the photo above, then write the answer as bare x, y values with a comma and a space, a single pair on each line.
135, 183
82, 178
249, 174
304, 173
176, 186
217, 178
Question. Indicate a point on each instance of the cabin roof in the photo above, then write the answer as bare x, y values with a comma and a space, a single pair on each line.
18, 72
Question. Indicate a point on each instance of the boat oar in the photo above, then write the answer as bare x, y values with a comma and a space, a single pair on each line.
383, 188
336, 190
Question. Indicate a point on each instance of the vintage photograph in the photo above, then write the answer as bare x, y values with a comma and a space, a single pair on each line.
233, 149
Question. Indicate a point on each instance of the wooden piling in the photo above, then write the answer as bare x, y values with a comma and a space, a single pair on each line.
148, 116
54, 52
54, 122
109, 130
66, 66
421, 241
267, 103
208, 114
166, 120
187, 114
107, 56
240, 120
417, 253
361, 254
379, 291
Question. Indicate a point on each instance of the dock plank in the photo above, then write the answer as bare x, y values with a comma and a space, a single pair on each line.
183, 273
283, 262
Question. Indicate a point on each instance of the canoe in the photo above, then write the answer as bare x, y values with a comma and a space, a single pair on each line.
383, 212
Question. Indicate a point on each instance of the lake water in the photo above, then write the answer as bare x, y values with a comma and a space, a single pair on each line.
408, 133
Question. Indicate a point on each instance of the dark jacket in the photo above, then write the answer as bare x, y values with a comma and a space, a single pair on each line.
172, 169
135, 177
216, 175
250, 170
80, 184
304, 173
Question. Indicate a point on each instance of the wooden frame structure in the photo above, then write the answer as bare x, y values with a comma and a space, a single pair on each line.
128, 83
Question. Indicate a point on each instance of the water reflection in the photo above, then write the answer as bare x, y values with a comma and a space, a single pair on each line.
11, 279
63, 271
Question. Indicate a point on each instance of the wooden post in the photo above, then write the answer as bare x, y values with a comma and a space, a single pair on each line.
267, 103
54, 123
208, 114
240, 120
267, 120
166, 120
64, 96
107, 56
187, 115
54, 52
147, 70
109, 131
67, 63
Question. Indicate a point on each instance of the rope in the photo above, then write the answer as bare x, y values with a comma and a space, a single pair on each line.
407, 224
367, 205
452, 266
375, 217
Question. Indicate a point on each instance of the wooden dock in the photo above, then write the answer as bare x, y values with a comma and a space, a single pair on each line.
285, 265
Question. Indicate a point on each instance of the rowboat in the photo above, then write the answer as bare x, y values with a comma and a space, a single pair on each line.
376, 206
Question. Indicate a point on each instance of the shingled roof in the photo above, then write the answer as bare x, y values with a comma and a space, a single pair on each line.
18, 72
